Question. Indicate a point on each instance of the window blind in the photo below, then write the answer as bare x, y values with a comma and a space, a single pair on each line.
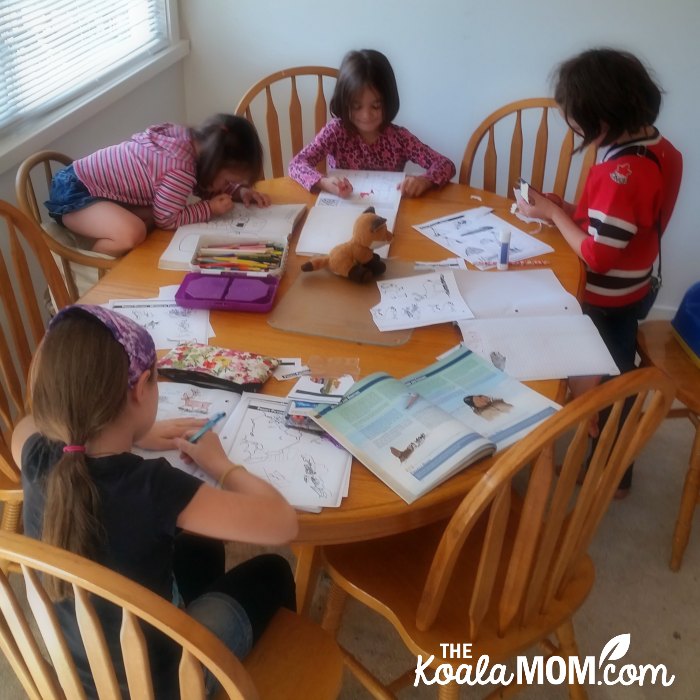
51, 51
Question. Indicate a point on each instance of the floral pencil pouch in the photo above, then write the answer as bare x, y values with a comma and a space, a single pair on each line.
214, 367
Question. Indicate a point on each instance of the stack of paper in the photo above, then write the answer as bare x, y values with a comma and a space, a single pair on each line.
307, 468
273, 223
331, 220
529, 326
177, 400
474, 235
422, 300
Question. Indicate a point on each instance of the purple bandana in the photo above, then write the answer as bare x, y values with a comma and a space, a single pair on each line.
135, 339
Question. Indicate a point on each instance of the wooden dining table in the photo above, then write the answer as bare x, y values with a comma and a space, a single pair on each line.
371, 509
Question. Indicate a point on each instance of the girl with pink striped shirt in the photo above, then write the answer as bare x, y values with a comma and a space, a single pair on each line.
117, 194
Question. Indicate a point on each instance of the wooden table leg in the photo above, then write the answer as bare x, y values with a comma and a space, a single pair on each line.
689, 499
306, 575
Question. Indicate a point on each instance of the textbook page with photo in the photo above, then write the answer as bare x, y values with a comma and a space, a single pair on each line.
274, 224
332, 218
415, 433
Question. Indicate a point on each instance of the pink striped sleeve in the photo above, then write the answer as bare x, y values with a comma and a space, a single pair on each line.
170, 208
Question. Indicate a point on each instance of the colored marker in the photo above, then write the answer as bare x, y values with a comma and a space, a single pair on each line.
207, 426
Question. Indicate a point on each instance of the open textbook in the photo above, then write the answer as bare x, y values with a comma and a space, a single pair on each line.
273, 223
529, 326
331, 220
416, 432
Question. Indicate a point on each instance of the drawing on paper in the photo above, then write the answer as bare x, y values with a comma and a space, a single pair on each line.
403, 455
192, 403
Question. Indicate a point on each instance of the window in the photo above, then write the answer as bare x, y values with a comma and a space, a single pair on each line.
52, 51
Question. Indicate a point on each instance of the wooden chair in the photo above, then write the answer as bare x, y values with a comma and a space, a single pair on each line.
81, 267
293, 659
504, 131
301, 84
658, 347
20, 333
510, 568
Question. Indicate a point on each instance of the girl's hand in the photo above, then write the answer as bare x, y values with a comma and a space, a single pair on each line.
336, 185
249, 196
542, 207
207, 452
163, 433
415, 185
220, 204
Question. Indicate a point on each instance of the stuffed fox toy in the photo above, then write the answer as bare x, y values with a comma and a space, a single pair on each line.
355, 258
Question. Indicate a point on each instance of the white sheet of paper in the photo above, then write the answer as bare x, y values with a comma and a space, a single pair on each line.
305, 467
370, 188
540, 347
176, 400
423, 300
168, 323
326, 228
515, 293
474, 235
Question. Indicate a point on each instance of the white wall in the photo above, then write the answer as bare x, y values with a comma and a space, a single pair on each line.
456, 61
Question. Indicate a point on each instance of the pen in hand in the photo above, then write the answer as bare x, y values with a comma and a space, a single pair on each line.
207, 426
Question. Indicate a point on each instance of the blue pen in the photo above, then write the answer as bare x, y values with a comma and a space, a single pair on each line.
207, 426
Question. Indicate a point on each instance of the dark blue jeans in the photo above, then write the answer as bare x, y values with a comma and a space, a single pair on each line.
618, 329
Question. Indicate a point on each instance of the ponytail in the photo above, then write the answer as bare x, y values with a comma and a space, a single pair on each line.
77, 386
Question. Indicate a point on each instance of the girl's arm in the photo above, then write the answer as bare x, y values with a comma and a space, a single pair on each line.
440, 170
170, 207
22, 432
302, 167
246, 508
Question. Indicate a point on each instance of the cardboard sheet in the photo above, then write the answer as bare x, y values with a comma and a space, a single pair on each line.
321, 303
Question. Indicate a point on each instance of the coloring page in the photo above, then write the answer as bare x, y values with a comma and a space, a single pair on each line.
423, 300
475, 236
307, 468
168, 323
176, 400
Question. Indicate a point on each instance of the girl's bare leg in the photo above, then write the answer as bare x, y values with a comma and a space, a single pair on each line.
115, 228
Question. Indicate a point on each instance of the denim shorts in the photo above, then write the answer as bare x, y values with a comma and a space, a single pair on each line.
68, 194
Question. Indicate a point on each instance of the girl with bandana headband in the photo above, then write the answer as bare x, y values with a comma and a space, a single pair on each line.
93, 394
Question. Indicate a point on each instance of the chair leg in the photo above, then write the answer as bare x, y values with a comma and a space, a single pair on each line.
689, 499
568, 647
333, 612
448, 692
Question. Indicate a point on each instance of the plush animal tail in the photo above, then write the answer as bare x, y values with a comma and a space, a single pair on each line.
315, 263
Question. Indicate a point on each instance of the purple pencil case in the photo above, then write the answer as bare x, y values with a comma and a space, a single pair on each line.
229, 292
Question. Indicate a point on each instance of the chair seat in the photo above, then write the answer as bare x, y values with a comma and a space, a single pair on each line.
388, 575
311, 667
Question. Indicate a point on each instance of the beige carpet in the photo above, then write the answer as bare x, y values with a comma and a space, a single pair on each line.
635, 592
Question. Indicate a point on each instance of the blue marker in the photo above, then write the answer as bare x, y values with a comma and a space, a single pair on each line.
207, 426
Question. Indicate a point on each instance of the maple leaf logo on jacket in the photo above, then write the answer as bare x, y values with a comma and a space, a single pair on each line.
621, 173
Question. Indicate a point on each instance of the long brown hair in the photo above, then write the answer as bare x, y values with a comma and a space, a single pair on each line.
229, 141
77, 385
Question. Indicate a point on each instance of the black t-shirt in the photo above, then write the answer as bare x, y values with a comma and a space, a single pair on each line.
140, 501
